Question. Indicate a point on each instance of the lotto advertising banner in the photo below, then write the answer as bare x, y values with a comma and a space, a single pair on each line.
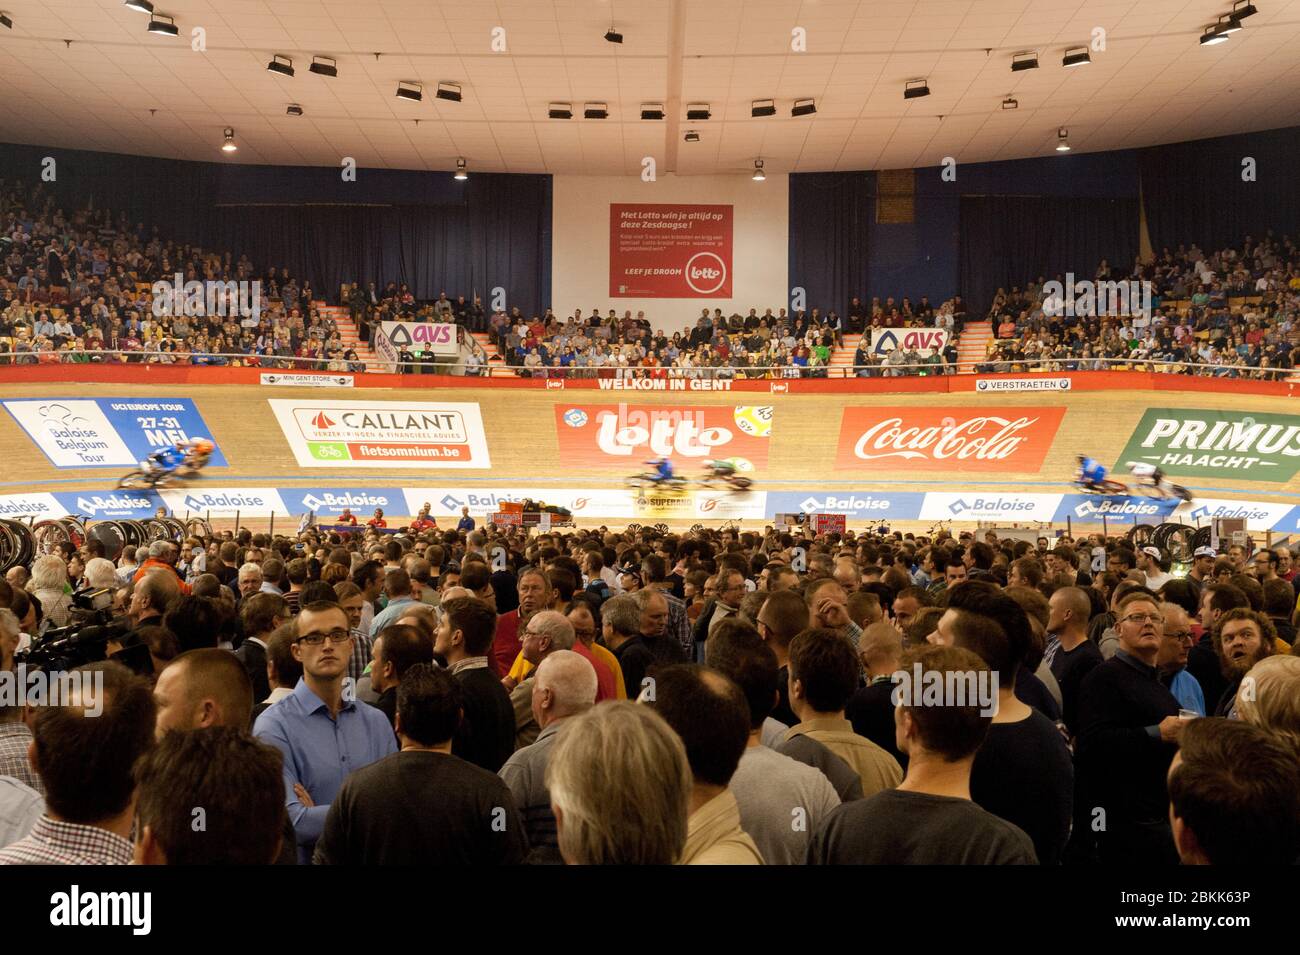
383, 434
619, 439
919, 340
894, 439
669, 250
108, 432
1196, 442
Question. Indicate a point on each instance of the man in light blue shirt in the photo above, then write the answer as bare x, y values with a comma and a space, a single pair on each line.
1172, 659
397, 585
321, 730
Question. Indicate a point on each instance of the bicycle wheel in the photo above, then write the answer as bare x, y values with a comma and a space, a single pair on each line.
1140, 535
1202, 537
108, 534
198, 527
136, 481
741, 483
49, 535
1175, 540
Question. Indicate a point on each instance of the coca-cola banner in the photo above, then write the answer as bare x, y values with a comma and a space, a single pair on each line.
669, 250
621, 438
901, 440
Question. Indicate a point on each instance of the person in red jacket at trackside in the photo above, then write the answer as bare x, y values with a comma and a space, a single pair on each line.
378, 519
347, 517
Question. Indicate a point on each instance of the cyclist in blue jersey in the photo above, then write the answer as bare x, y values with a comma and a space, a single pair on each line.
165, 460
1092, 474
663, 469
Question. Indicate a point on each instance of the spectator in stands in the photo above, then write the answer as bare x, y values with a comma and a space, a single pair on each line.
235, 782
564, 687
823, 675
781, 800
395, 650
83, 749
871, 708
464, 815
1243, 638
1234, 796
1172, 659
612, 817
307, 725
929, 818
206, 687
710, 715
486, 736
1128, 732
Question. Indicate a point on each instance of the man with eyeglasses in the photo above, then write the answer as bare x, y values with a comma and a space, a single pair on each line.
320, 730
1129, 730
1172, 659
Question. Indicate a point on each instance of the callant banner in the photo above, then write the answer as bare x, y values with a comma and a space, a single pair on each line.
669, 250
621, 438
908, 439
384, 434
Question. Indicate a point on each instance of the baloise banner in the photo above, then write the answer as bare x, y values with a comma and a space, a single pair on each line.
109, 432
677, 250
1196, 442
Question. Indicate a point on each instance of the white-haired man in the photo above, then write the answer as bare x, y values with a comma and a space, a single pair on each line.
546, 632
564, 685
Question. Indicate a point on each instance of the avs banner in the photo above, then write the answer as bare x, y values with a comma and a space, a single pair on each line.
919, 340
904, 438
383, 434
669, 250
1198, 442
439, 338
620, 439
109, 432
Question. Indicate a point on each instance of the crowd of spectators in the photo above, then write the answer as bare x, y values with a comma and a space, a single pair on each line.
489, 695
76, 287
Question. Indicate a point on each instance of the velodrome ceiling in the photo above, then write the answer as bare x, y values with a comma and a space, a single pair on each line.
118, 88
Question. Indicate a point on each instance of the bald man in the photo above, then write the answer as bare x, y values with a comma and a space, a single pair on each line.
564, 685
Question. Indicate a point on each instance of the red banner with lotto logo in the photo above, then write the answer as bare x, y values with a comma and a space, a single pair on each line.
621, 438
669, 250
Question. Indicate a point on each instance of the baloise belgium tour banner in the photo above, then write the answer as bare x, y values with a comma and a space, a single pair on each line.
1197, 442
669, 250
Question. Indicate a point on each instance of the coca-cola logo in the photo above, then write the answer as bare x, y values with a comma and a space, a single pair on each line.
982, 437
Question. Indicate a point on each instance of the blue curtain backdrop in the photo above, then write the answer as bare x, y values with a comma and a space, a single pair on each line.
829, 217
1009, 240
422, 228
1194, 191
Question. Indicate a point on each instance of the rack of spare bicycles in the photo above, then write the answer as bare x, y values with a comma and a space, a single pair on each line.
22, 541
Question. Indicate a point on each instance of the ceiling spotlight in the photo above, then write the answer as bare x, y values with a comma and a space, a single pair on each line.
613, 37
140, 6
595, 111
324, 66
294, 109
916, 88
280, 64
758, 171
1229, 24
229, 145
692, 136
560, 111
1212, 37
652, 110
762, 107
1010, 103
163, 25
803, 107
461, 174
1024, 61
1078, 56
411, 91
1062, 140
449, 91
5, 21
1242, 9
696, 112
